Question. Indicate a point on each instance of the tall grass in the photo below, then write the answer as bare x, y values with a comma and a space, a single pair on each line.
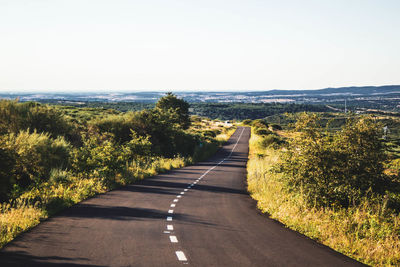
367, 232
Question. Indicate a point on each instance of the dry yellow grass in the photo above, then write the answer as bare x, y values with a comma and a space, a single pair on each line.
367, 232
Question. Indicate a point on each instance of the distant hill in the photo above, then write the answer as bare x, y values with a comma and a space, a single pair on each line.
362, 90
320, 96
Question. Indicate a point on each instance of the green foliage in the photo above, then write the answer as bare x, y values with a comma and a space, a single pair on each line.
262, 131
260, 123
30, 157
244, 111
271, 140
180, 107
247, 122
16, 117
276, 127
335, 168
7, 164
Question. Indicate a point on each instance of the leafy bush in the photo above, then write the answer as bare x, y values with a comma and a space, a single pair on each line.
102, 156
260, 123
7, 165
335, 168
34, 117
276, 127
262, 131
271, 140
247, 122
34, 156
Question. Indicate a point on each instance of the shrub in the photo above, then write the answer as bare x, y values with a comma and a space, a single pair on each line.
335, 168
16, 117
271, 140
247, 122
35, 155
7, 164
262, 131
260, 123
276, 127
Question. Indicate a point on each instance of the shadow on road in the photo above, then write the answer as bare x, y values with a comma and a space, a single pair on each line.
19, 258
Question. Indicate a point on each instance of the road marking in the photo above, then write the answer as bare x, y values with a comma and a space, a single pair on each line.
181, 256
230, 154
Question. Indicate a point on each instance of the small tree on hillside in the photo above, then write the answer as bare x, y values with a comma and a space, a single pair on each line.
171, 103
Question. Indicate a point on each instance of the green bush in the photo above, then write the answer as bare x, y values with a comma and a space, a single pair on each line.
260, 123
262, 131
335, 168
247, 122
36, 154
16, 117
7, 165
271, 140
276, 127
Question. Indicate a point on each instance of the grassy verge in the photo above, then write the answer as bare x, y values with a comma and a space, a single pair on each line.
367, 232
45, 200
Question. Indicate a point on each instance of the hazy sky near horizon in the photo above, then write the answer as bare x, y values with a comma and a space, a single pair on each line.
120, 45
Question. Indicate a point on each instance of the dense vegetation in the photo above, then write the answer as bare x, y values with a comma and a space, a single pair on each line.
241, 111
223, 111
339, 186
52, 157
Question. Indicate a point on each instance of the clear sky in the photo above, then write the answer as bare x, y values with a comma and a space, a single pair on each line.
120, 45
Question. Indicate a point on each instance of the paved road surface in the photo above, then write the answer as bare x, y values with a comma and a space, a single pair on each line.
199, 215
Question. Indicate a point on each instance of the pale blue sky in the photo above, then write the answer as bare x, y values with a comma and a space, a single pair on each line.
53, 45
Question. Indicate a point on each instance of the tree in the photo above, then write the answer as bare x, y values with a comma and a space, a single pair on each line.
180, 107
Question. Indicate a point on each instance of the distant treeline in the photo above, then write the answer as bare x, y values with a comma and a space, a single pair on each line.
241, 111
223, 111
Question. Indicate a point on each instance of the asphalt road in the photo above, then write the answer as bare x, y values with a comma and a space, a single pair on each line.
199, 215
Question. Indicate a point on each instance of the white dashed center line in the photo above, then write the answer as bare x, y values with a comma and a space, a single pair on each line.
181, 256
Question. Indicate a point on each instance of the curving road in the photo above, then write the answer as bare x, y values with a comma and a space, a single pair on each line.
199, 215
